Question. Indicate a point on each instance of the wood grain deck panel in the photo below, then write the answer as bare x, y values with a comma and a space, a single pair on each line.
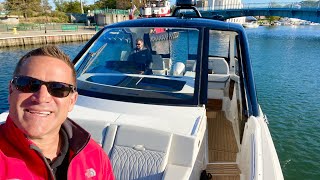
235, 177
214, 104
222, 143
224, 171
230, 169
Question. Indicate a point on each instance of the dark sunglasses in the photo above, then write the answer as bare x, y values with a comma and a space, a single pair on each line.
138, 44
28, 84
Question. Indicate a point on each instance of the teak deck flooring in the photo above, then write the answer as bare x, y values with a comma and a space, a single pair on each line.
222, 142
222, 146
226, 171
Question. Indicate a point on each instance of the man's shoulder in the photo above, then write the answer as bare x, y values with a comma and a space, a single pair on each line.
94, 150
94, 144
145, 50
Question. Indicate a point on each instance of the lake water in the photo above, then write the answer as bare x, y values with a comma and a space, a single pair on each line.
286, 63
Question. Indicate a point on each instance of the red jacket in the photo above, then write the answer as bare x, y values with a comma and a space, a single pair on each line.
21, 159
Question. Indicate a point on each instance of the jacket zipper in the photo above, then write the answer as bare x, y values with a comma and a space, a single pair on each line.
45, 161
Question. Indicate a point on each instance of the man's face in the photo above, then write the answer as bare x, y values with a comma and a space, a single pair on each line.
40, 114
139, 45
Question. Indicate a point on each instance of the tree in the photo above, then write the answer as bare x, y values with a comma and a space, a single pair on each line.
272, 19
27, 8
89, 7
46, 8
106, 4
123, 4
68, 7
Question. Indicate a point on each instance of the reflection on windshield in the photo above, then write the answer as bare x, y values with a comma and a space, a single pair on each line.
157, 63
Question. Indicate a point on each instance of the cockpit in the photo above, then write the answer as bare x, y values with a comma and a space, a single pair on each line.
158, 65
163, 69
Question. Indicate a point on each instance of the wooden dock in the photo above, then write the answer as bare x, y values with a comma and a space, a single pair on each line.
34, 38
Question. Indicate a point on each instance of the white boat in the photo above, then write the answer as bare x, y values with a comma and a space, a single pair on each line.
155, 8
252, 24
195, 116
314, 24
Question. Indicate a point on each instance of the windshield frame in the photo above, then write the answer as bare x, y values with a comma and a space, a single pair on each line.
192, 101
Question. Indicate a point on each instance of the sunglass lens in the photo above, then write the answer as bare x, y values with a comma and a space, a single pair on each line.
27, 85
59, 89
34, 85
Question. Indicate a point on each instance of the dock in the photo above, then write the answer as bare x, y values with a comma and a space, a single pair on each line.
25, 38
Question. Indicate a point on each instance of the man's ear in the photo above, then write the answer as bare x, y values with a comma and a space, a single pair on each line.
10, 88
10, 91
73, 100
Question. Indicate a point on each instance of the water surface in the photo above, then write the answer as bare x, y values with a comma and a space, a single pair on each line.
286, 67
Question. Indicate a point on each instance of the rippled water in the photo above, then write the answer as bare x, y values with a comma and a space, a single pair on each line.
287, 69
10, 56
286, 64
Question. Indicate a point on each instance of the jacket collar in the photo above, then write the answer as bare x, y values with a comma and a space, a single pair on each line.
78, 137
16, 136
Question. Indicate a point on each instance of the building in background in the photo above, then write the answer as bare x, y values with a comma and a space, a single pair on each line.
224, 4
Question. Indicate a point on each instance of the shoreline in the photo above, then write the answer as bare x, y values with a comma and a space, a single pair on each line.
26, 38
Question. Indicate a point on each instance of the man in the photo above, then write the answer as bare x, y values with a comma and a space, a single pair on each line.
38, 141
142, 58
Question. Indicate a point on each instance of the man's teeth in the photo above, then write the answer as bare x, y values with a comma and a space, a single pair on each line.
40, 112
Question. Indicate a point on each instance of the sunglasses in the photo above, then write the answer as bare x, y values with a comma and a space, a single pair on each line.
28, 84
138, 44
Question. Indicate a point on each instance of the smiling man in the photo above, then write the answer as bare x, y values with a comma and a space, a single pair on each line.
38, 141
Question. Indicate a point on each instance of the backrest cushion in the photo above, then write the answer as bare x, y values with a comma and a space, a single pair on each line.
140, 153
158, 63
218, 65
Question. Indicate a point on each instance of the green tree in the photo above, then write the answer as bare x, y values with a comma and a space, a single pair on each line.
119, 4
26, 8
90, 7
106, 4
272, 19
46, 8
123, 4
68, 6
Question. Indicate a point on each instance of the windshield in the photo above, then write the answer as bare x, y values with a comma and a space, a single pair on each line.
148, 65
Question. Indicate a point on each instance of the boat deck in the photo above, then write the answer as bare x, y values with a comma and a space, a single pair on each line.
222, 146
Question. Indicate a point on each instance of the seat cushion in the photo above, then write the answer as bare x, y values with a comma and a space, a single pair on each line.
128, 163
218, 77
218, 65
140, 153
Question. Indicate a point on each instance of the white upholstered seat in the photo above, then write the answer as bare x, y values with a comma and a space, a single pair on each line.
220, 72
158, 65
218, 77
95, 128
137, 152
